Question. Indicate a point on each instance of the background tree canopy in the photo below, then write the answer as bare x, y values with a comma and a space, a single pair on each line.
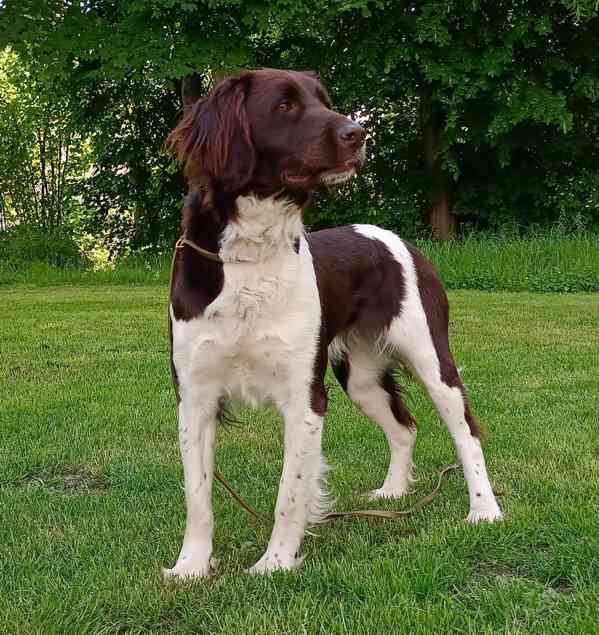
482, 115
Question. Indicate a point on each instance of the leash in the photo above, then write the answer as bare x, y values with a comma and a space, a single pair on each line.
248, 508
394, 514
385, 514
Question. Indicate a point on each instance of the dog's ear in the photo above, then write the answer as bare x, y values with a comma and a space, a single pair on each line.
213, 139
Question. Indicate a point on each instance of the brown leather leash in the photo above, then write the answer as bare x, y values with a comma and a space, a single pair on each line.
394, 514
385, 514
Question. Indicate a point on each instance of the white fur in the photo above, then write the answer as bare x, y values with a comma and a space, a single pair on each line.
337, 177
410, 337
368, 361
255, 342
365, 390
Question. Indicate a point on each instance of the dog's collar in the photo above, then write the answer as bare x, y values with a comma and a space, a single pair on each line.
209, 255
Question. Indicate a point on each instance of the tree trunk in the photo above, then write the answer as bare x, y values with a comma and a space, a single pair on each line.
2, 218
191, 90
192, 87
442, 221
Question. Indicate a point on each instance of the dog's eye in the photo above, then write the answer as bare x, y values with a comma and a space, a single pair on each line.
285, 105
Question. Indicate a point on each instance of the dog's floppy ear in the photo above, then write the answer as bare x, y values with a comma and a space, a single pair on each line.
213, 139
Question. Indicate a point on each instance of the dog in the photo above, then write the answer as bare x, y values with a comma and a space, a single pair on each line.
258, 307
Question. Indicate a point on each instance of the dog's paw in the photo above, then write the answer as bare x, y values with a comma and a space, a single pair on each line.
275, 562
385, 492
187, 570
491, 515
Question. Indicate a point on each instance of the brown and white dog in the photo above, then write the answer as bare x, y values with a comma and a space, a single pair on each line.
261, 325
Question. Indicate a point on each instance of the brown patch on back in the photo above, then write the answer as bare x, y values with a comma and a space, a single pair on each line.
361, 285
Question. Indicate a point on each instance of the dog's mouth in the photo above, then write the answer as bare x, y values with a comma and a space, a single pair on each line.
339, 174
332, 176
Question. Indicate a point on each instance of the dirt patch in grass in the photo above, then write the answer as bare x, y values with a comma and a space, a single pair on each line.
61, 479
507, 576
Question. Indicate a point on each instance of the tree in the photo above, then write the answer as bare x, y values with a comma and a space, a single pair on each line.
493, 85
39, 146
480, 113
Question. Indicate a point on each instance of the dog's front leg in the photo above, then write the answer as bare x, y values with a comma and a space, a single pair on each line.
300, 499
197, 429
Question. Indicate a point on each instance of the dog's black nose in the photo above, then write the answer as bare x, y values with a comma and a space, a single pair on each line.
351, 134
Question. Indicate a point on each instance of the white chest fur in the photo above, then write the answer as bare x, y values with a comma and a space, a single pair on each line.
257, 340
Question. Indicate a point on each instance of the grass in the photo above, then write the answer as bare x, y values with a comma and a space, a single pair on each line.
91, 504
552, 262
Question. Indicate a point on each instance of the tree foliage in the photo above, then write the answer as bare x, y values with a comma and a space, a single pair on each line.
40, 147
481, 114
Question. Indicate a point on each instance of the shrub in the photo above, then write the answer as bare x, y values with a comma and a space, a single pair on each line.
24, 245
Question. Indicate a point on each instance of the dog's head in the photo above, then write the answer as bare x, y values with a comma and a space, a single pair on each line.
267, 130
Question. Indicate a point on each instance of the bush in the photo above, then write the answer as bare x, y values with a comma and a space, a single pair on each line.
548, 262
24, 245
553, 261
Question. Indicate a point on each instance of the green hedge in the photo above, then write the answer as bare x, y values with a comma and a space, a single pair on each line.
553, 262
548, 263
24, 246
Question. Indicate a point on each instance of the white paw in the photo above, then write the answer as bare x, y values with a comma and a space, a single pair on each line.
490, 515
385, 492
187, 570
275, 562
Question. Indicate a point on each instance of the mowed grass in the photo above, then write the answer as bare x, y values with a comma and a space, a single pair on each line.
91, 504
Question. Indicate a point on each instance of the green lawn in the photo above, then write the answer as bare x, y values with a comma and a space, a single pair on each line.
91, 504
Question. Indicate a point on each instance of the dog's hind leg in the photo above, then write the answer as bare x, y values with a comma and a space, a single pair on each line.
419, 337
452, 406
370, 384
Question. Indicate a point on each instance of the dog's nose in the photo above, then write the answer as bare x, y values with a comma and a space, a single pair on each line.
351, 134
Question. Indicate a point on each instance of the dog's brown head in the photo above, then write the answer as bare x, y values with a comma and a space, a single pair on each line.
266, 130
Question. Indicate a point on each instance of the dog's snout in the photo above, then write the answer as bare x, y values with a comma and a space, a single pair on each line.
351, 134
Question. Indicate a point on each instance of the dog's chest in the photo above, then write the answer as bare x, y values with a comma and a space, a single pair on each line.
259, 336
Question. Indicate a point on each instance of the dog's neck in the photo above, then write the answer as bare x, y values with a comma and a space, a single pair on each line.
262, 229
248, 228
